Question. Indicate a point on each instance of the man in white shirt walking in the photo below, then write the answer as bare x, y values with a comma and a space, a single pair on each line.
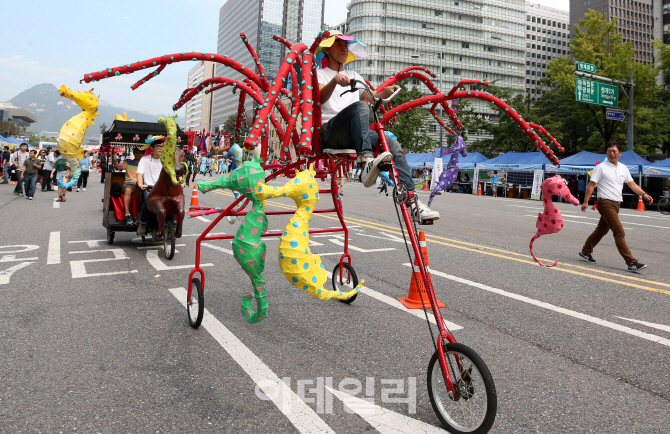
610, 176
148, 170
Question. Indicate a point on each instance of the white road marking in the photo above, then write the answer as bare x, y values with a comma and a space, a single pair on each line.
5, 275
56, 204
219, 248
53, 255
300, 414
387, 237
367, 291
648, 324
93, 244
557, 309
155, 261
358, 249
565, 219
159, 246
78, 268
398, 305
623, 222
203, 219
383, 420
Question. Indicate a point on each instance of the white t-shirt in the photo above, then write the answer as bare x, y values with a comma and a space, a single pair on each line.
610, 180
150, 169
337, 103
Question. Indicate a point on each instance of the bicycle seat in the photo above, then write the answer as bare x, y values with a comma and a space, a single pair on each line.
339, 151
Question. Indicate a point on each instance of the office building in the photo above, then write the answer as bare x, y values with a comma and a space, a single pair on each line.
295, 20
456, 39
547, 37
199, 109
634, 21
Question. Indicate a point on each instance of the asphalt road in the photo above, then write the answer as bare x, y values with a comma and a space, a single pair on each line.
95, 337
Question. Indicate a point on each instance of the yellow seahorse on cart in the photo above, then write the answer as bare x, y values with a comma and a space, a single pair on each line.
71, 134
301, 268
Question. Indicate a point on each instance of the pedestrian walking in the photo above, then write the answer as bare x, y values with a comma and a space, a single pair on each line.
609, 176
103, 166
85, 166
42, 156
494, 183
61, 169
6, 155
46, 171
29, 173
385, 181
581, 188
17, 159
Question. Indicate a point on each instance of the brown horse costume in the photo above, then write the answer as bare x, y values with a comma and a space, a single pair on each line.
167, 198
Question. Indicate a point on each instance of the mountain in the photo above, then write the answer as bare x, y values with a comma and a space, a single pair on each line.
52, 110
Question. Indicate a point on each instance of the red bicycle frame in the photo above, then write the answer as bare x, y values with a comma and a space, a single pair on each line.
444, 332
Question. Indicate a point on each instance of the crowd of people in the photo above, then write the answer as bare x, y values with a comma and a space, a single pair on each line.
45, 167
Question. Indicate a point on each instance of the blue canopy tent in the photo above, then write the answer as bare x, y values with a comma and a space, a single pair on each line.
659, 168
517, 162
581, 162
633, 161
417, 161
466, 163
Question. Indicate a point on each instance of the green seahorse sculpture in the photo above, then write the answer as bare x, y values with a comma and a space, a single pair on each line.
170, 148
248, 249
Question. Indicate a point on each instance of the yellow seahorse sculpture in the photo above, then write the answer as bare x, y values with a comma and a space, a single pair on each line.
301, 268
71, 134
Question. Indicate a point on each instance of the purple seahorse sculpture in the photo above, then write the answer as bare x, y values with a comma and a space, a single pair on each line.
450, 174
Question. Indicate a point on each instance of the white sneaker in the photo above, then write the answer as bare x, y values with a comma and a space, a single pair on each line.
77, 189
425, 212
371, 171
84, 189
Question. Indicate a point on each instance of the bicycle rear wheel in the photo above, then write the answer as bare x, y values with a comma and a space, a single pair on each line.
473, 408
664, 206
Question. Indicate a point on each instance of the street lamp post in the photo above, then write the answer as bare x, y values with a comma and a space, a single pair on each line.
439, 54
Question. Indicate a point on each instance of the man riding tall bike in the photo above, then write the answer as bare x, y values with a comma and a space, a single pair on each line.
346, 115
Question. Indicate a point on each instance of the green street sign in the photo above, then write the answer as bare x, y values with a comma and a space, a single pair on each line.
595, 92
586, 67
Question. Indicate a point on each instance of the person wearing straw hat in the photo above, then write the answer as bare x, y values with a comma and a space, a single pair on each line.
346, 117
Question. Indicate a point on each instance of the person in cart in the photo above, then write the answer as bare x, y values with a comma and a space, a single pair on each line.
148, 170
346, 117
129, 184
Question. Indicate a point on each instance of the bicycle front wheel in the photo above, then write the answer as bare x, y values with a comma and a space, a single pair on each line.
472, 409
664, 206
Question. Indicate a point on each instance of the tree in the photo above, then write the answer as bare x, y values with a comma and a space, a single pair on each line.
559, 114
412, 130
663, 59
596, 41
229, 125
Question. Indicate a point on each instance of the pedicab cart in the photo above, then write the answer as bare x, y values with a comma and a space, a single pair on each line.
127, 135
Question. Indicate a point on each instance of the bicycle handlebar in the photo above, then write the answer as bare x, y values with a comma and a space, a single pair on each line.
354, 82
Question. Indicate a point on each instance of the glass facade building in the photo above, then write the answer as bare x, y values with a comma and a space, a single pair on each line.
634, 21
547, 37
295, 20
481, 39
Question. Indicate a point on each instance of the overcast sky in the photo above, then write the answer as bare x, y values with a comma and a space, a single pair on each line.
47, 41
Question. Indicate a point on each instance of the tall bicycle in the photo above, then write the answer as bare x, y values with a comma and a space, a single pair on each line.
460, 385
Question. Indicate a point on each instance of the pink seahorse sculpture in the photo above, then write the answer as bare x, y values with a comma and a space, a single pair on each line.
551, 221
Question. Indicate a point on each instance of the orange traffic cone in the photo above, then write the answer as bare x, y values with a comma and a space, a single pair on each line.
425, 186
194, 198
640, 204
413, 299
479, 189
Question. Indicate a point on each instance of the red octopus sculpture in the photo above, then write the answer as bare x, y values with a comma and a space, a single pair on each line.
305, 98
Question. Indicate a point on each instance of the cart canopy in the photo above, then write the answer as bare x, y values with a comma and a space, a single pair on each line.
133, 134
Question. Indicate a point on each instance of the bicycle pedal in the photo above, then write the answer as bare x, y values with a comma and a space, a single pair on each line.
385, 167
426, 222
